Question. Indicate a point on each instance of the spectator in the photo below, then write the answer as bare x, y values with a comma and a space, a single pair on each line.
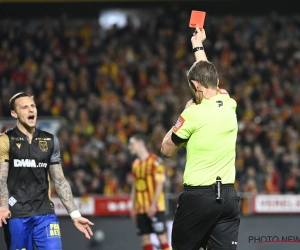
292, 181
252, 181
272, 178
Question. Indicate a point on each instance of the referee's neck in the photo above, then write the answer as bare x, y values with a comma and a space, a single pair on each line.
210, 93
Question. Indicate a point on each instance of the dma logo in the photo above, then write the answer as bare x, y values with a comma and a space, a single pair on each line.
28, 163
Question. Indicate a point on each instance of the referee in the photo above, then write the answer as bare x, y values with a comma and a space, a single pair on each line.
208, 212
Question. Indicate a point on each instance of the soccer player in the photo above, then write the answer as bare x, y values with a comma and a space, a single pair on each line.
208, 212
147, 197
29, 158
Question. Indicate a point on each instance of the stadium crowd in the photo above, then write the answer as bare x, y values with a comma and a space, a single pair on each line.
105, 85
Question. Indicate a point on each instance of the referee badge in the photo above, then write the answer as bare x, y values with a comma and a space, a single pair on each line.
43, 146
178, 124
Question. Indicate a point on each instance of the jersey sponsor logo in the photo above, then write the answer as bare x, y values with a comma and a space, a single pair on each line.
17, 138
53, 230
28, 163
12, 201
141, 185
42, 139
18, 145
43, 146
178, 124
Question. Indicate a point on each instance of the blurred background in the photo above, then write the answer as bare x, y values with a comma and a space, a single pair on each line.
101, 71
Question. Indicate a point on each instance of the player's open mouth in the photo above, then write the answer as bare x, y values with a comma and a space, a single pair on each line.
31, 118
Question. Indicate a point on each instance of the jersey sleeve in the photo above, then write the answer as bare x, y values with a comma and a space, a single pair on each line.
4, 148
185, 125
133, 169
55, 157
159, 170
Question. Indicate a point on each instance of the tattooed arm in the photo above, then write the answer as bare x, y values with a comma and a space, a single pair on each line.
62, 187
60, 183
4, 166
4, 210
64, 192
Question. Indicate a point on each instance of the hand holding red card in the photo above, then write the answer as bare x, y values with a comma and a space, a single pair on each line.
197, 19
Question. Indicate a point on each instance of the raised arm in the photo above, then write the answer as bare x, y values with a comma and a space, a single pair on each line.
197, 44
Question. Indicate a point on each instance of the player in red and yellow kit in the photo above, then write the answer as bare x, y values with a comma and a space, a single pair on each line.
148, 201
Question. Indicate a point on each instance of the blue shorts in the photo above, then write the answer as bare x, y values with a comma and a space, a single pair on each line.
41, 230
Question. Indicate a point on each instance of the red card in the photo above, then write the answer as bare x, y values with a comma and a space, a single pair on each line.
197, 19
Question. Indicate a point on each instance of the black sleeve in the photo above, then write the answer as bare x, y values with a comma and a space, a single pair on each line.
177, 140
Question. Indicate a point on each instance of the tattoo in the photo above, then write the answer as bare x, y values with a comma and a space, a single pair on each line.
3, 184
62, 187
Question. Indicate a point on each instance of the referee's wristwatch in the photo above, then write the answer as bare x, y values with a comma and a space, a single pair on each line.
197, 49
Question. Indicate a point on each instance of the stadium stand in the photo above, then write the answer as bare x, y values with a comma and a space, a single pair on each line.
105, 85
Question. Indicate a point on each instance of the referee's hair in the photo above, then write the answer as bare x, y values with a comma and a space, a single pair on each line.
15, 97
205, 73
140, 137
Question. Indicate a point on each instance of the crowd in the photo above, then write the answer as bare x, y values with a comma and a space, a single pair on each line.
106, 85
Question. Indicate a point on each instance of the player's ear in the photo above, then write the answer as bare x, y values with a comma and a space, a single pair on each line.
218, 83
14, 114
194, 85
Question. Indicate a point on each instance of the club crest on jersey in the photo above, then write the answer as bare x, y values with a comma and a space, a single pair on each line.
178, 124
43, 146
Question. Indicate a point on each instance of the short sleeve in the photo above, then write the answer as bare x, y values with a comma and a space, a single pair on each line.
184, 126
159, 170
55, 157
4, 148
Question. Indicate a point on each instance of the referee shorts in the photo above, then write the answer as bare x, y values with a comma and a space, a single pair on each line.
202, 221
40, 230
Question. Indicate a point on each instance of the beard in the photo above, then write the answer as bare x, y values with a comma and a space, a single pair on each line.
27, 126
